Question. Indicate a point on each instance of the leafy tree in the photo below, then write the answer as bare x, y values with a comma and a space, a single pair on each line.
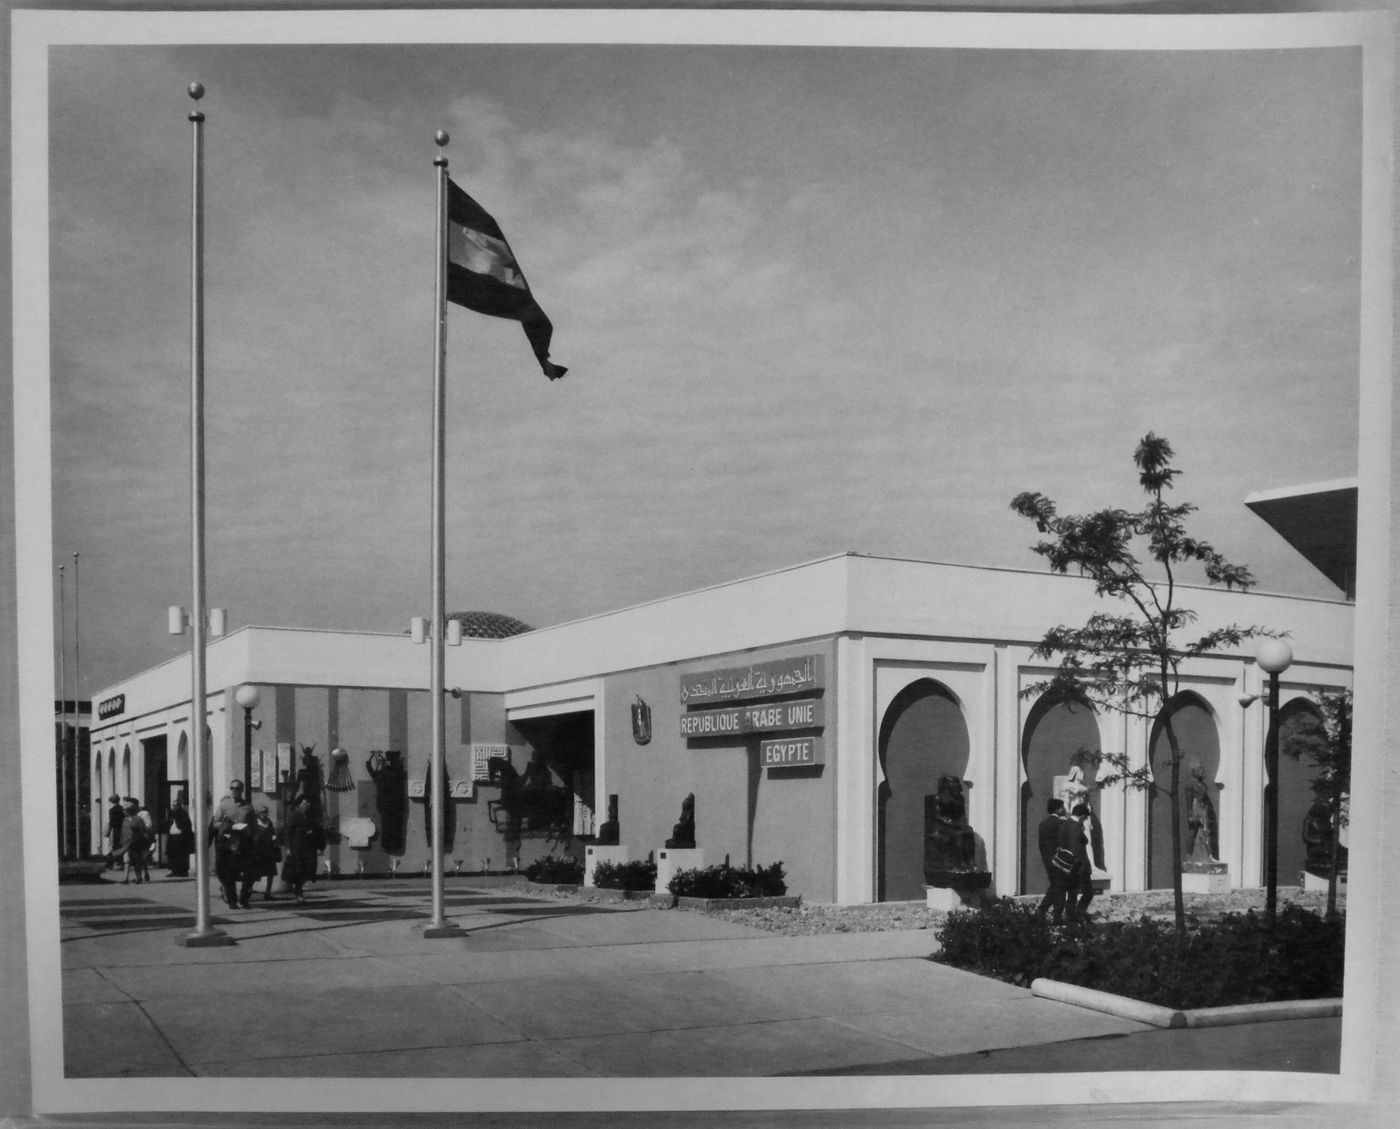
1129, 660
1327, 745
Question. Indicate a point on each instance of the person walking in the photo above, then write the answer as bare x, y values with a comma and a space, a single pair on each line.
231, 833
148, 825
1074, 848
1093, 859
134, 843
264, 855
303, 846
1048, 839
116, 816
179, 841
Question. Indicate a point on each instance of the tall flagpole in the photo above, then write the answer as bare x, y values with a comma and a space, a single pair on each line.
204, 934
62, 719
80, 766
439, 926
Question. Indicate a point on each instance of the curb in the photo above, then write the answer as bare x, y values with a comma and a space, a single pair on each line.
708, 905
1157, 1016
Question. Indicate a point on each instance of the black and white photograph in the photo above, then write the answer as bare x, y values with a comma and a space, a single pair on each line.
702, 560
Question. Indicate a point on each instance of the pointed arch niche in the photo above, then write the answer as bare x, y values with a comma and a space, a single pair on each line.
1198, 734
1056, 729
923, 735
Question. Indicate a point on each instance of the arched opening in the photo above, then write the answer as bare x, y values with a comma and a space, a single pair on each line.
1057, 730
126, 771
1301, 737
922, 736
1199, 741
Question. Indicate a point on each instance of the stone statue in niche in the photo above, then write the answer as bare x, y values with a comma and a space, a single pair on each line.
1202, 850
1317, 838
950, 846
1075, 790
683, 834
609, 832
386, 769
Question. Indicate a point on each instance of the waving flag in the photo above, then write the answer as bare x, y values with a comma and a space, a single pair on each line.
482, 274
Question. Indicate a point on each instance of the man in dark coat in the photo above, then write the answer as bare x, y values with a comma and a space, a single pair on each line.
1074, 839
1093, 857
1048, 839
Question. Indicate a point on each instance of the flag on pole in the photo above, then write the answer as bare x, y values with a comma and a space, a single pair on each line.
482, 274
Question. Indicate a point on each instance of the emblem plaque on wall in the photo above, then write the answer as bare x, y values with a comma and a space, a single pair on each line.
641, 721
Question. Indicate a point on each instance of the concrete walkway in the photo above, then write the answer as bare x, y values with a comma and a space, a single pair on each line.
539, 986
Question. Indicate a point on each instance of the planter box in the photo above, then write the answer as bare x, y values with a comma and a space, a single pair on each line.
669, 860
1318, 882
86, 870
706, 905
593, 855
1198, 882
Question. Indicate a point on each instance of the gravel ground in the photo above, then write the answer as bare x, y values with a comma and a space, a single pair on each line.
817, 917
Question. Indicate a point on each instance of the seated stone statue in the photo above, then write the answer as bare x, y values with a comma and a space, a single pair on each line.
609, 832
683, 834
1317, 838
950, 847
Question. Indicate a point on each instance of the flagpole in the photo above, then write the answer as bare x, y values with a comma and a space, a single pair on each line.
439, 926
204, 934
62, 719
77, 727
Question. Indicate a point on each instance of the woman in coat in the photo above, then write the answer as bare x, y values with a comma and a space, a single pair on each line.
264, 855
303, 846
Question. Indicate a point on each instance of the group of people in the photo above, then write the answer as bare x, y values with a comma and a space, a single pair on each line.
131, 836
1071, 843
248, 848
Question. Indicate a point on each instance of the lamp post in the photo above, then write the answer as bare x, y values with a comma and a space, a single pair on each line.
1274, 657
248, 697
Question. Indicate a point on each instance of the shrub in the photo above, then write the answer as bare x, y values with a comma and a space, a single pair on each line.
625, 875
725, 881
1236, 959
561, 870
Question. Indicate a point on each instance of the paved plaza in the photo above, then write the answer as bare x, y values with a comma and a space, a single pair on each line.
546, 986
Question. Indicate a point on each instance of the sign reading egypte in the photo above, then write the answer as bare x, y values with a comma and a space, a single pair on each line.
766, 718
790, 752
110, 707
759, 680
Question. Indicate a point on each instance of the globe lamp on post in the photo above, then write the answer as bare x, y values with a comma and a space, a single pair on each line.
248, 697
1274, 656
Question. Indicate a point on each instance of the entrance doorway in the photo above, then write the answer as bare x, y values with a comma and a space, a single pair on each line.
155, 791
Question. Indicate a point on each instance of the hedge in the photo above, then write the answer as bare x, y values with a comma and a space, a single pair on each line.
725, 881
561, 870
1234, 959
625, 875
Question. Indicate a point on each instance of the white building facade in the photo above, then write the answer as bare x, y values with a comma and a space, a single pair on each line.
810, 711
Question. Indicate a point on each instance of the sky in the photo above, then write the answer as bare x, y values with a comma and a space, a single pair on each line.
811, 300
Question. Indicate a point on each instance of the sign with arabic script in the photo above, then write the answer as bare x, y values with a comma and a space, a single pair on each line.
770, 717
758, 680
